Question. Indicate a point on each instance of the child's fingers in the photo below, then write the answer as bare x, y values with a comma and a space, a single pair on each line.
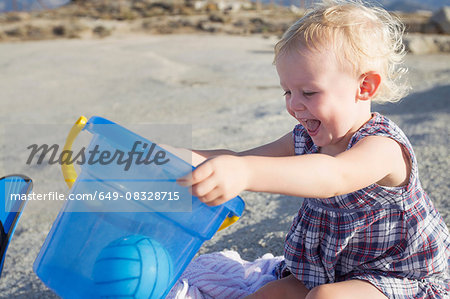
213, 198
198, 175
204, 187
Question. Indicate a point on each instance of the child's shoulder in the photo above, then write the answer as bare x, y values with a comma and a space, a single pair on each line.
380, 125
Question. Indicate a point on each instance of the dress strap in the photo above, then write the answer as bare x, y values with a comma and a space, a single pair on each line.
303, 142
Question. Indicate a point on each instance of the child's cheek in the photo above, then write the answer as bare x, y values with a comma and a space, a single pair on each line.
288, 109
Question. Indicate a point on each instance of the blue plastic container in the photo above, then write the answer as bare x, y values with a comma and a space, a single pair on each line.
90, 253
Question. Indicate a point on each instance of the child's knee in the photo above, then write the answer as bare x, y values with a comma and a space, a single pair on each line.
345, 290
270, 290
324, 291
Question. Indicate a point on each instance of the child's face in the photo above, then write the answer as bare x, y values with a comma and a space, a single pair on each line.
321, 96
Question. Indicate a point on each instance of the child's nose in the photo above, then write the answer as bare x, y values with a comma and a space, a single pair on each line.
296, 104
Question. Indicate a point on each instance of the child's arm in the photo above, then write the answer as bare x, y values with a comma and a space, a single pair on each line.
281, 147
373, 159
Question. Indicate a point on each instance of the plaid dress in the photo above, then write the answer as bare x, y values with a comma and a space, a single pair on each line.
392, 237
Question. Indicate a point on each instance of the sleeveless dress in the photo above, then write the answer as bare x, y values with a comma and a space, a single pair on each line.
392, 237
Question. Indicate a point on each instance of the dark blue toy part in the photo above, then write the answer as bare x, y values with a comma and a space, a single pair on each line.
11, 210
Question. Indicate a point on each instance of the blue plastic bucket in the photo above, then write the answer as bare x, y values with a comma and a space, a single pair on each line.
90, 253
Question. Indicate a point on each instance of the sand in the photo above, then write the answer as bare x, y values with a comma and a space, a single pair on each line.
225, 87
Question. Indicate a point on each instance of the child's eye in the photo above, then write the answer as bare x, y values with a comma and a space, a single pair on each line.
309, 93
286, 93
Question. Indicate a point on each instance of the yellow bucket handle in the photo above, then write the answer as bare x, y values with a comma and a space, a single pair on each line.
70, 175
68, 170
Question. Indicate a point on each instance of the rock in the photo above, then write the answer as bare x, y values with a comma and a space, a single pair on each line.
161, 8
216, 18
240, 23
443, 43
187, 10
17, 32
12, 17
258, 25
59, 30
28, 32
442, 19
36, 32
75, 29
211, 7
430, 28
419, 44
427, 44
210, 26
297, 10
101, 31
66, 30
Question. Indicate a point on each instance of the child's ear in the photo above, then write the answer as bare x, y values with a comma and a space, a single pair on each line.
369, 85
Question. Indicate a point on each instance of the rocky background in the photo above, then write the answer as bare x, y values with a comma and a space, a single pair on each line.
427, 32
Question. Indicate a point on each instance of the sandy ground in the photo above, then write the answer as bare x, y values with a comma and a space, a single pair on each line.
225, 87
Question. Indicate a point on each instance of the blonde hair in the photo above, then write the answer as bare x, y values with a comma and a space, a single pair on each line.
364, 39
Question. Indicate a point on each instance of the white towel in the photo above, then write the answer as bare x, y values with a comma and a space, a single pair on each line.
224, 275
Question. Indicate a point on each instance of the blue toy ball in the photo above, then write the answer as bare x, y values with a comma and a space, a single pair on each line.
133, 267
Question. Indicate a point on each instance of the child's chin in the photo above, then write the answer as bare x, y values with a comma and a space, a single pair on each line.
319, 142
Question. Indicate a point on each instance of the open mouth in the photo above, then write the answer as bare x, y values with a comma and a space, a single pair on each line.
312, 125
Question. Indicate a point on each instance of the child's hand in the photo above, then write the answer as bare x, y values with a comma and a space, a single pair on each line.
218, 179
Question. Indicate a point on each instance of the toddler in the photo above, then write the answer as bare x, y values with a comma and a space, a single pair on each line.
366, 228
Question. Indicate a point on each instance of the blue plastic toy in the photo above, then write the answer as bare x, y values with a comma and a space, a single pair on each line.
11, 210
80, 257
133, 267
